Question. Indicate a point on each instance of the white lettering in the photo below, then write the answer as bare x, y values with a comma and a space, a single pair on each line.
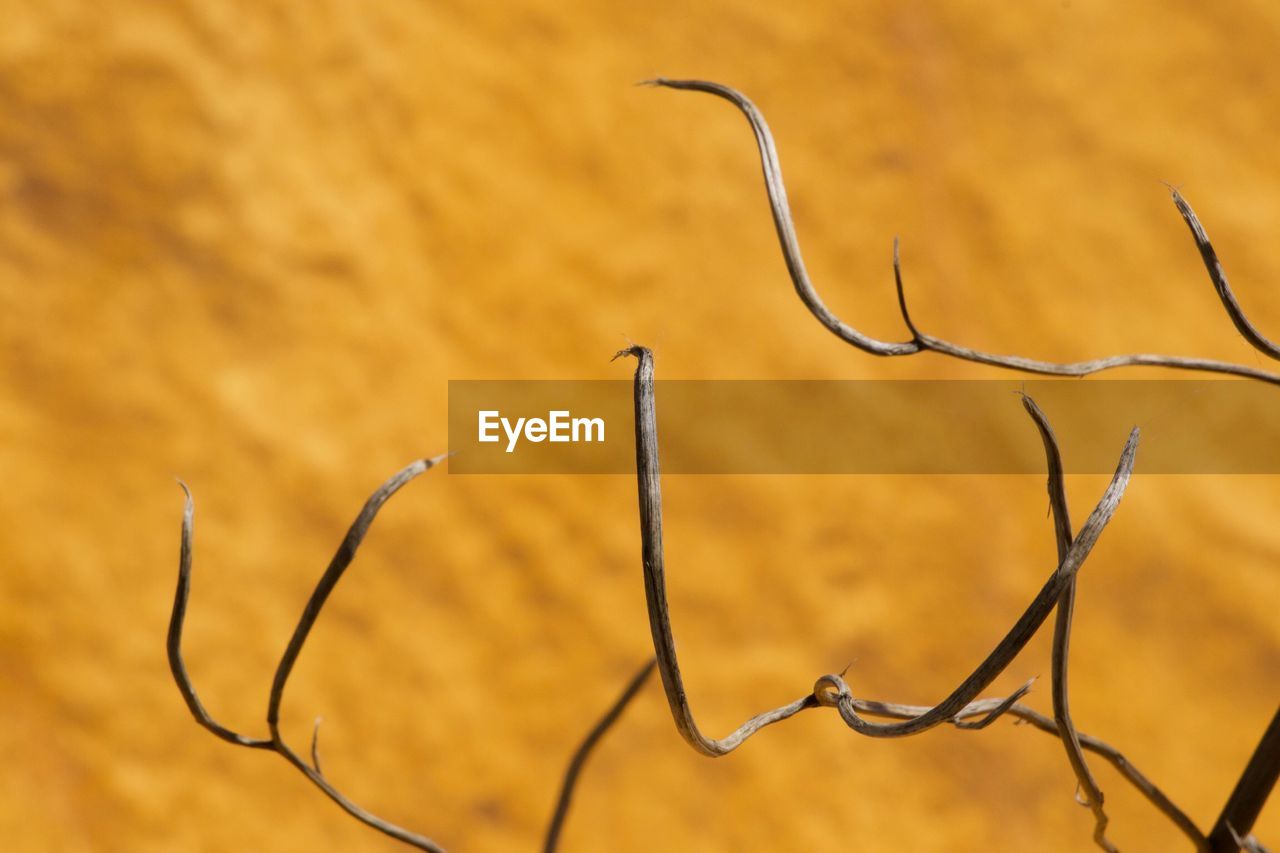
558, 427
559, 423
587, 424
488, 423
513, 435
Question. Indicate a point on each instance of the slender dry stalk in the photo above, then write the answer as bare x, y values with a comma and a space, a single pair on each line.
655, 580
1062, 630
174, 641
583, 752
1231, 831
1218, 276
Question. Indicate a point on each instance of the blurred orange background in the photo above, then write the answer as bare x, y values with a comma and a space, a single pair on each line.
248, 244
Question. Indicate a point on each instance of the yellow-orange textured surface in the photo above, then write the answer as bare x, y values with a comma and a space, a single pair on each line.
247, 243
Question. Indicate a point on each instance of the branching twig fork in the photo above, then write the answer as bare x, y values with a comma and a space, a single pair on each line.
341, 560
921, 342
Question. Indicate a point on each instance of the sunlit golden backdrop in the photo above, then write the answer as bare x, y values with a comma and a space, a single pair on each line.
248, 243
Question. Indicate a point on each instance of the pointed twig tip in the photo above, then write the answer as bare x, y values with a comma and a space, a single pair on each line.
315, 745
634, 350
902, 296
436, 460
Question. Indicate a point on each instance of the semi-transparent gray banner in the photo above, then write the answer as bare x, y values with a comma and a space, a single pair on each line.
864, 427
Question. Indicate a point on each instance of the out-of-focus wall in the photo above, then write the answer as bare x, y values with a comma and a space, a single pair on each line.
248, 243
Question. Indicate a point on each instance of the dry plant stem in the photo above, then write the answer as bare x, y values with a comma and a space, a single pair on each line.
583, 752
829, 690
1250, 794
1046, 724
921, 342
655, 583
174, 641
1219, 278
1062, 630
341, 560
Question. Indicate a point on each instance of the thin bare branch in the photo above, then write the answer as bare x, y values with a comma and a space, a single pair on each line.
902, 296
1046, 724
1246, 329
346, 552
960, 720
829, 690
341, 560
655, 585
583, 752
784, 226
1251, 792
1062, 630
922, 342
174, 642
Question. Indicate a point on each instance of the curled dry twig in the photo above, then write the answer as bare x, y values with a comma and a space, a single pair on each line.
830, 690
655, 584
